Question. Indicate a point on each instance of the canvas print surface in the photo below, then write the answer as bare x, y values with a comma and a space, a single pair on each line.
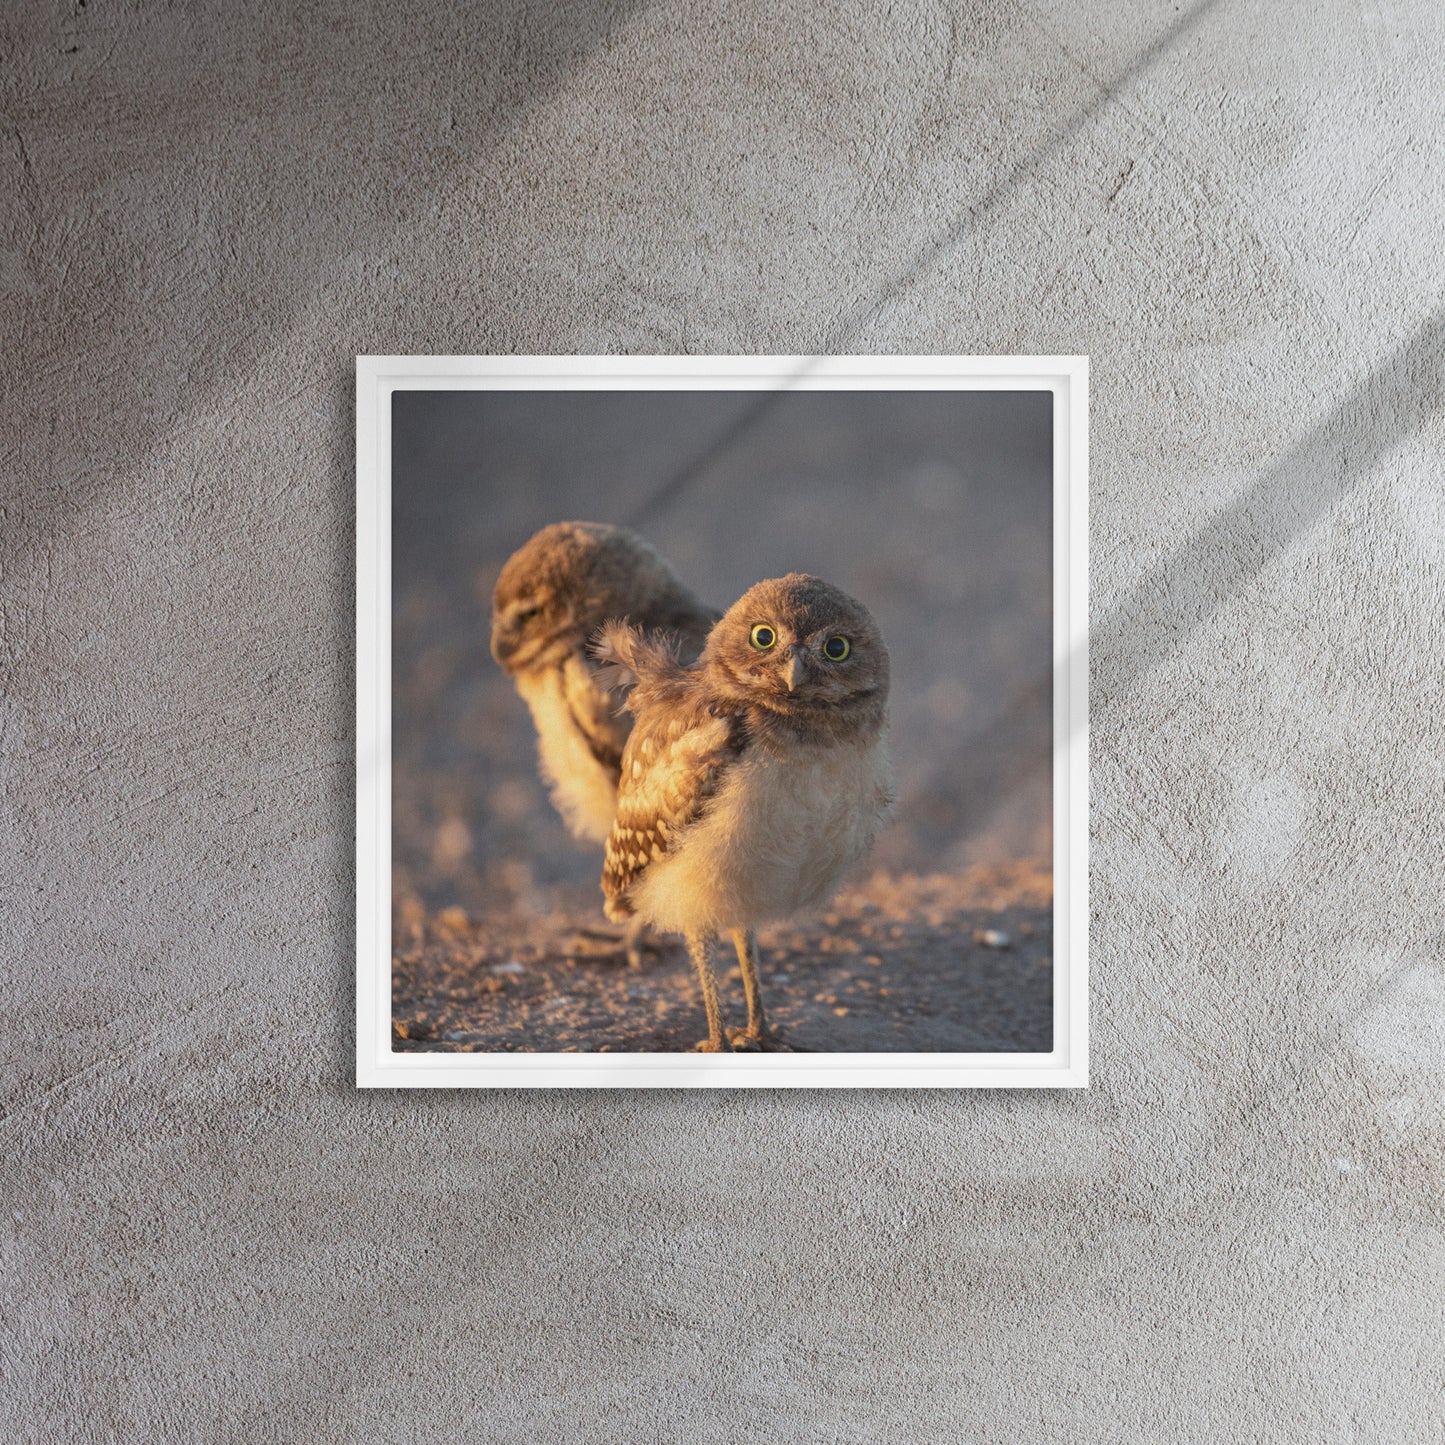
930, 928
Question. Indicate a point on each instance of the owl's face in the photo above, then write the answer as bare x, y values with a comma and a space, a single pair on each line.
558, 588
799, 647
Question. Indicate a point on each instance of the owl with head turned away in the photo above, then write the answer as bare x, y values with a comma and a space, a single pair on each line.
551, 597
752, 781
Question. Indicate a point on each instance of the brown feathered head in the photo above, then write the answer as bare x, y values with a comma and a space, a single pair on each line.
799, 648
568, 579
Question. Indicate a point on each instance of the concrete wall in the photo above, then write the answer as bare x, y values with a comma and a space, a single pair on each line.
1235, 1235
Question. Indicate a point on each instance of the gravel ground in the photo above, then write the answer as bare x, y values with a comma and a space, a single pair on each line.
950, 962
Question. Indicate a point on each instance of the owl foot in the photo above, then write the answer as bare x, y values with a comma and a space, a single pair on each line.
597, 945
593, 945
766, 1041
714, 1046
642, 946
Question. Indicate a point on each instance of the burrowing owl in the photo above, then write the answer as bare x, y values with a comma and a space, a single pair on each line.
552, 596
753, 780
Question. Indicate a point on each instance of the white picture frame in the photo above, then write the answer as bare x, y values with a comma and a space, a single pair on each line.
378, 1066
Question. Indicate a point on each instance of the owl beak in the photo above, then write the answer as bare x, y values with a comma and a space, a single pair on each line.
501, 648
794, 675
505, 643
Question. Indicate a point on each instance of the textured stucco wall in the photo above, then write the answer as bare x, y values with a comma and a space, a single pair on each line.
207, 211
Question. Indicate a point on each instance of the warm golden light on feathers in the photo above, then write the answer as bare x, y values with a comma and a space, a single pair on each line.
552, 595
753, 779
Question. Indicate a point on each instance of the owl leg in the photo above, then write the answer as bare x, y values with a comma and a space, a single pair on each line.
716, 1041
604, 945
757, 1035
637, 940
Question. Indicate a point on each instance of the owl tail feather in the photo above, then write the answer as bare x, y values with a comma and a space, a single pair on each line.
612, 646
627, 658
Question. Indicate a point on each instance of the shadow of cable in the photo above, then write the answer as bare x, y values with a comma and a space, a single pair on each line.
838, 338
1058, 135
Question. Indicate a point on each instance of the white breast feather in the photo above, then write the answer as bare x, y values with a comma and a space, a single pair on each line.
580, 786
778, 838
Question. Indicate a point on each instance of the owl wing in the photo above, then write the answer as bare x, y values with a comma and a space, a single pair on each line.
672, 767
594, 713
687, 621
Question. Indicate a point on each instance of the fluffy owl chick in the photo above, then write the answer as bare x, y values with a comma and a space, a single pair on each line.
752, 780
552, 596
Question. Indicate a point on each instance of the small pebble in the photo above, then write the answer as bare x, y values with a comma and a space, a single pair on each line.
992, 938
841, 1012
510, 966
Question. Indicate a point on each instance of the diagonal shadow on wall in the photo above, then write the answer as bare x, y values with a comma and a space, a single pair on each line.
1178, 595
841, 337
253, 206
1228, 552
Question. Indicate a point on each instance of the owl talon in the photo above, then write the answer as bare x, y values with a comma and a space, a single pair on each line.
714, 1046
588, 945
768, 1041
641, 945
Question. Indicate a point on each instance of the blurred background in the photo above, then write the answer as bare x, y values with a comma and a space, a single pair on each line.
933, 508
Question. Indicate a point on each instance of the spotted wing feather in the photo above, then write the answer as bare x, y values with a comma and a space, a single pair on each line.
594, 713
672, 767
629, 657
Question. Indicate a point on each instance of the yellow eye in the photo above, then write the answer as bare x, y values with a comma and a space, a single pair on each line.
836, 649
762, 636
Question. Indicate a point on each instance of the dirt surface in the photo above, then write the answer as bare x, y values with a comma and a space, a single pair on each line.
950, 962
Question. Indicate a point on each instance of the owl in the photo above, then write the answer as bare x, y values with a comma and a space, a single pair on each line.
551, 597
753, 780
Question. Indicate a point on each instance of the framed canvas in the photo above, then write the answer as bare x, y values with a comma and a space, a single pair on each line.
943, 503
